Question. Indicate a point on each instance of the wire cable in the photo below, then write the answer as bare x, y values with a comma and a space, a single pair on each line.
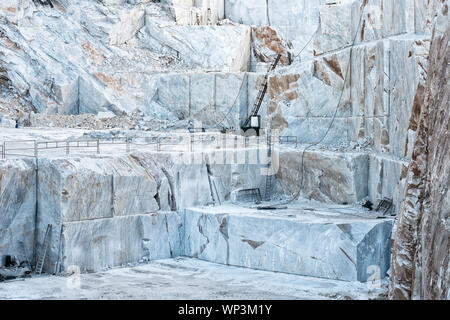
234, 103
312, 37
297, 194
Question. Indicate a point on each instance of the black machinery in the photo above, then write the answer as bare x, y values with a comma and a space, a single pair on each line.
253, 122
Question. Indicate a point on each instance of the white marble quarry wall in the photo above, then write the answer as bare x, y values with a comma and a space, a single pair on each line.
327, 176
289, 245
227, 47
17, 206
408, 65
384, 80
214, 99
114, 210
101, 243
273, 12
295, 20
303, 99
375, 102
89, 57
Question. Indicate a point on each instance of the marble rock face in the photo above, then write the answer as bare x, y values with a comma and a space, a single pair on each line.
268, 43
321, 247
116, 187
387, 177
101, 243
190, 180
327, 176
408, 65
273, 12
200, 12
111, 209
210, 98
17, 206
303, 99
91, 57
130, 23
92, 191
228, 47
375, 101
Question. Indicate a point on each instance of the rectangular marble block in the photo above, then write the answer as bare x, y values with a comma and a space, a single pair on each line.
102, 243
331, 247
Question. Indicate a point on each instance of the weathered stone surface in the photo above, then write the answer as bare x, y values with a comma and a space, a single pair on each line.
214, 99
421, 245
322, 246
228, 47
268, 43
17, 206
304, 98
126, 29
101, 59
273, 12
408, 68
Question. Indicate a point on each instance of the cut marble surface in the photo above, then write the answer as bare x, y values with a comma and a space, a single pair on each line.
77, 189
184, 278
17, 205
331, 243
327, 176
102, 243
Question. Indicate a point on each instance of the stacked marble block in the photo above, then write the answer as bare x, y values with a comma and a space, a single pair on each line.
382, 74
116, 210
107, 210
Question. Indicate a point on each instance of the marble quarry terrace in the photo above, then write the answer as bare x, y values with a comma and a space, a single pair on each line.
223, 149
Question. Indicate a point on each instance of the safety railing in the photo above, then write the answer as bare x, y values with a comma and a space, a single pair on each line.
289, 140
34, 148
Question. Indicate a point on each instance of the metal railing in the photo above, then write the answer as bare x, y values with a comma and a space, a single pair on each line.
289, 140
34, 148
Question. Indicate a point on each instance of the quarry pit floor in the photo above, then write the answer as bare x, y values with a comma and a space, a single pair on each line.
185, 278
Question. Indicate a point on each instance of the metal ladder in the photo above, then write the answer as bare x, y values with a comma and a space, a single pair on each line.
23, 255
262, 92
41, 260
268, 187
